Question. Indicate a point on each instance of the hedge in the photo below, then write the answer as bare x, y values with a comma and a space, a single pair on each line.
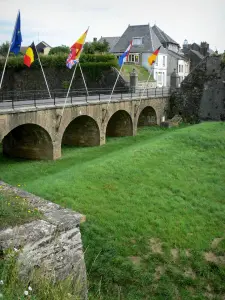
59, 61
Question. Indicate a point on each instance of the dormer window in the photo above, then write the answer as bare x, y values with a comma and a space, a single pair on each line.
137, 41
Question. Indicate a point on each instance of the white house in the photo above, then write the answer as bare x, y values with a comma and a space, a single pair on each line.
145, 42
176, 59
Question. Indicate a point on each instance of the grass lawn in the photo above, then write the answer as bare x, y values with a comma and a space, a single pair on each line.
155, 207
141, 71
15, 210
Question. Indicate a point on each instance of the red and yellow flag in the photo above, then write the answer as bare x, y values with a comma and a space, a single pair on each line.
152, 58
31, 55
75, 50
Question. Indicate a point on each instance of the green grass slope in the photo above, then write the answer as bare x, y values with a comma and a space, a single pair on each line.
141, 71
155, 207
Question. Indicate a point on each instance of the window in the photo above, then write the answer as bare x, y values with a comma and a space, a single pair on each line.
181, 68
156, 62
164, 61
136, 58
133, 58
159, 78
137, 41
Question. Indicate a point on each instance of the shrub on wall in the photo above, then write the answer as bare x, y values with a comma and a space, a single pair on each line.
59, 61
93, 65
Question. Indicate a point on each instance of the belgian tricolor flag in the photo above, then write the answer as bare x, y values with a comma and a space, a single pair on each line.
31, 55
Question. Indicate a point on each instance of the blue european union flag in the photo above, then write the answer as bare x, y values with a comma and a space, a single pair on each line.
17, 37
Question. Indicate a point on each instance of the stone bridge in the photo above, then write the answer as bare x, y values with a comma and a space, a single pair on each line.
34, 133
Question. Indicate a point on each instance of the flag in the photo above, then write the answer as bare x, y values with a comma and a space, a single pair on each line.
152, 58
75, 51
124, 56
31, 55
17, 37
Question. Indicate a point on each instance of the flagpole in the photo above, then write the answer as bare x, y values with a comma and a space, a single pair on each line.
144, 89
8, 51
114, 86
68, 91
43, 73
71, 83
83, 79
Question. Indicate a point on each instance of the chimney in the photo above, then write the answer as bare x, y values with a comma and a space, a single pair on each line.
94, 39
204, 48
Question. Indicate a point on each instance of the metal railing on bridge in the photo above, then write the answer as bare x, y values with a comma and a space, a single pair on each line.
36, 98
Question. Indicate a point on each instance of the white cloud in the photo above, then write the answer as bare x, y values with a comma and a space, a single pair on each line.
62, 22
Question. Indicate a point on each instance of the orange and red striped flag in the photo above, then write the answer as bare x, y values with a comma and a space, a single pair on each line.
75, 50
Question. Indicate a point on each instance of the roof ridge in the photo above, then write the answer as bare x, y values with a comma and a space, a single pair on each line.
160, 32
151, 38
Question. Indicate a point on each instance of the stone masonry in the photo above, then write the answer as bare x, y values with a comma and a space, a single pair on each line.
202, 93
33, 133
52, 245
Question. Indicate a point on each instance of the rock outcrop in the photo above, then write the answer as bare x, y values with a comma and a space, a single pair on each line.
202, 92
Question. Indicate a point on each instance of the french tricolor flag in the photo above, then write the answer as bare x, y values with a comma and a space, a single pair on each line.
124, 56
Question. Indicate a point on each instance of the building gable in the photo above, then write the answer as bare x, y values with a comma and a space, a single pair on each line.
163, 37
110, 40
143, 37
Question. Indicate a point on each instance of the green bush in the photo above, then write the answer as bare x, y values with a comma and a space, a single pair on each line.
59, 61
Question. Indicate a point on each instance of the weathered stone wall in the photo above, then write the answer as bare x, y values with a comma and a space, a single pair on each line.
52, 244
90, 130
58, 78
202, 93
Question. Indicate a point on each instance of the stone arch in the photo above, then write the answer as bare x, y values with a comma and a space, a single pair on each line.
147, 117
83, 131
120, 124
30, 141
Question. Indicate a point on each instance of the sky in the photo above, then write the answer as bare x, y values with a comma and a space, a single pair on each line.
61, 22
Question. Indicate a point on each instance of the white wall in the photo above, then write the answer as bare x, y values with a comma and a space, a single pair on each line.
183, 69
46, 50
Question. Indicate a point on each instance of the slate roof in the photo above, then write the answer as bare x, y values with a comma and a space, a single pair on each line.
111, 40
163, 37
150, 40
177, 55
42, 45
197, 53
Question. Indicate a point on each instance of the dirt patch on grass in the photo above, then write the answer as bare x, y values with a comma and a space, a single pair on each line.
189, 273
136, 260
175, 254
216, 242
156, 245
159, 271
187, 253
211, 257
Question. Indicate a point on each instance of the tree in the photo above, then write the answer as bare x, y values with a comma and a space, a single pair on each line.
96, 47
88, 48
4, 47
59, 49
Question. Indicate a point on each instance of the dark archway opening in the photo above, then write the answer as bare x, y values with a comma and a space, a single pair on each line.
120, 124
147, 117
82, 132
28, 141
